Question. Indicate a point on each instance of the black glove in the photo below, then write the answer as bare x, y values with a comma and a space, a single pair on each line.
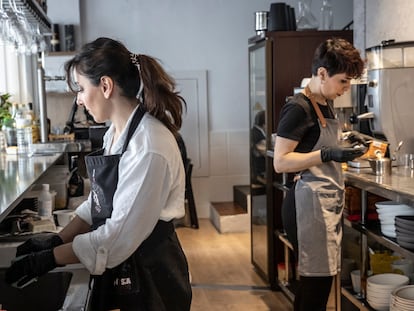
356, 137
31, 266
340, 154
39, 243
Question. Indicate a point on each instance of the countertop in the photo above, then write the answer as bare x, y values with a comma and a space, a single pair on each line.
17, 174
399, 186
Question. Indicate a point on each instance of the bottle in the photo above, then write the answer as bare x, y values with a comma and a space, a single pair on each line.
9, 127
69, 37
24, 137
34, 123
76, 182
55, 40
45, 202
326, 20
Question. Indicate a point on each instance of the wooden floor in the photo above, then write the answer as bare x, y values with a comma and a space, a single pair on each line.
223, 278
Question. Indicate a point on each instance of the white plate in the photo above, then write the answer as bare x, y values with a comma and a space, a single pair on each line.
406, 238
390, 227
387, 280
389, 204
405, 244
404, 293
396, 211
408, 220
407, 227
389, 233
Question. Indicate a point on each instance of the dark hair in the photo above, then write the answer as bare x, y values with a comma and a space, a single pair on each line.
108, 57
260, 118
338, 56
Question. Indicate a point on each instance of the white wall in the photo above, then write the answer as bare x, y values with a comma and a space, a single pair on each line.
193, 35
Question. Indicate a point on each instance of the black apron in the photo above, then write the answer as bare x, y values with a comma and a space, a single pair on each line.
155, 277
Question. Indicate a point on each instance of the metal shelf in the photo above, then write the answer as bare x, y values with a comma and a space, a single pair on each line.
34, 14
376, 235
361, 304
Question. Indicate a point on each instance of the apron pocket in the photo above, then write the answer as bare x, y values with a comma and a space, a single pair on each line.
327, 206
126, 277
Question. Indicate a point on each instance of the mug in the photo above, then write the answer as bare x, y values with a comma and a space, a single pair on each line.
64, 217
402, 266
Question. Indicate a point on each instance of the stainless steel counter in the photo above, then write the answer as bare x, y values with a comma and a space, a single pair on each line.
399, 186
17, 174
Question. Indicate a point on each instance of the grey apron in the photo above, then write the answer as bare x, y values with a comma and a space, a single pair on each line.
319, 198
155, 276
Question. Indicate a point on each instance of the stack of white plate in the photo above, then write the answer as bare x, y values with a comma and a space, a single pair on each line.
404, 228
380, 287
402, 299
386, 213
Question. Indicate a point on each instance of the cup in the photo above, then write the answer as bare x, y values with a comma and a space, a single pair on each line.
277, 17
356, 280
406, 160
381, 166
64, 216
261, 21
402, 266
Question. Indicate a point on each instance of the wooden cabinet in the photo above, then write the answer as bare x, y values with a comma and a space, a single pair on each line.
278, 61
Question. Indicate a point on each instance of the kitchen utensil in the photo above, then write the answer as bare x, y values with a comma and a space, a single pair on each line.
356, 280
64, 216
261, 21
380, 166
397, 149
278, 19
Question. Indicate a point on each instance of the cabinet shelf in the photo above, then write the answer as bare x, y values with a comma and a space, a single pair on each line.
360, 303
376, 235
61, 53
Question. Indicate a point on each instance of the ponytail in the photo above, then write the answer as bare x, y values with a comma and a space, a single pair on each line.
160, 99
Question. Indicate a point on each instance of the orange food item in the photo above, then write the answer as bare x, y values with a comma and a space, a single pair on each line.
374, 147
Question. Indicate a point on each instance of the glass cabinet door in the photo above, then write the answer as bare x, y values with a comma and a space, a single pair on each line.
259, 226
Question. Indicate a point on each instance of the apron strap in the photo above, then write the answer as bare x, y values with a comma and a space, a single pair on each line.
321, 118
136, 119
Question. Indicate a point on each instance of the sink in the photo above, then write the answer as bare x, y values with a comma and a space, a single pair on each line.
47, 294
60, 147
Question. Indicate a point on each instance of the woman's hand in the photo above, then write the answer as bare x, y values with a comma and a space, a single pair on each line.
340, 154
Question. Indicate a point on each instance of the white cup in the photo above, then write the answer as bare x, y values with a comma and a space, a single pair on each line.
64, 216
402, 266
356, 281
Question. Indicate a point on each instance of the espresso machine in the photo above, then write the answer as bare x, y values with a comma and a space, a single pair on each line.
390, 93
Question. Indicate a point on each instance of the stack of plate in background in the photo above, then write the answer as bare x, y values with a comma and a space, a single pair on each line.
404, 228
387, 211
380, 287
402, 299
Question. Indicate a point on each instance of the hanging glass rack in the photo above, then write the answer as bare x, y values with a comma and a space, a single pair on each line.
34, 14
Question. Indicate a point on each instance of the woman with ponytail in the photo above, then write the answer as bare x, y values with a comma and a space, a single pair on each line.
124, 233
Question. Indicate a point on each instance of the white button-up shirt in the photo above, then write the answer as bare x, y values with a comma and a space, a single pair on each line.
151, 187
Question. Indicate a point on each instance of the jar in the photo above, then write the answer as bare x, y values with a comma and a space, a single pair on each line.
326, 20
306, 20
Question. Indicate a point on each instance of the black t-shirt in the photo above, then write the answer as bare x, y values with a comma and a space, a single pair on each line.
299, 122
